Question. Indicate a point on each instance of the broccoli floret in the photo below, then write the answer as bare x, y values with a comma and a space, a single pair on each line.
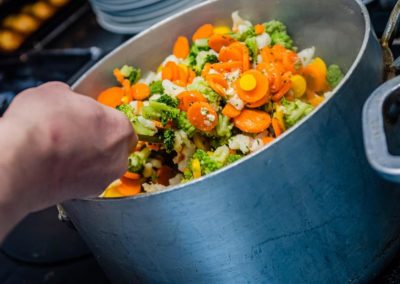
294, 111
187, 176
278, 32
250, 32
183, 123
208, 164
202, 58
168, 100
137, 160
224, 126
199, 84
283, 39
169, 140
141, 125
251, 44
232, 158
156, 87
161, 111
194, 51
166, 113
334, 75
133, 74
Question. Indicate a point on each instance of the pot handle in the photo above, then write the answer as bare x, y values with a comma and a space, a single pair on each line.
376, 146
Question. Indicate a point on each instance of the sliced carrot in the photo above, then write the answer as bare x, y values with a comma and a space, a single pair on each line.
227, 66
126, 85
286, 86
256, 94
202, 116
267, 55
131, 175
230, 54
252, 121
315, 74
289, 61
246, 59
181, 47
217, 41
260, 102
206, 70
205, 31
218, 83
111, 97
183, 73
167, 72
129, 186
267, 140
164, 174
276, 127
259, 29
230, 111
118, 75
313, 98
140, 91
187, 98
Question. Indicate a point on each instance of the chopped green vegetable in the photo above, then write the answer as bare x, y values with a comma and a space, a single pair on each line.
224, 126
208, 164
133, 74
202, 58
334, 75
221, 154
141, 125
232, 158
250, 32
156, 87
294, 111
278, 32
169, 140
251, 44
168, 100
194, 51
137, 160
183, 123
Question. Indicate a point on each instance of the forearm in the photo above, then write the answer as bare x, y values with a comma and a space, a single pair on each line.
11, 211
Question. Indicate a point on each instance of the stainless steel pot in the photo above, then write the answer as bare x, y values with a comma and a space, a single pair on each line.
306, 209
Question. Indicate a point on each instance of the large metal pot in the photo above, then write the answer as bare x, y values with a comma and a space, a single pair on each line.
306, 209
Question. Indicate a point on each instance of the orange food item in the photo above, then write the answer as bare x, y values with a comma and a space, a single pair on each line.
230, 111
252, 121
205, 31
129, 186
218, 83
259, 29
202, 116
315, 75
118, 75
256, 94
206, 69
286, 86
111, 97
140, 91
267, 139
181, 47
131, 175
217, 41
276, 126
192, 75
260, 102
187, 98
230, 54
227, 66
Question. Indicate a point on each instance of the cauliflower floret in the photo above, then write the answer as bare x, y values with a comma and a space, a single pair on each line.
240, 142
176, 179
232, 76
154, 97
184, 149
236, 102
256, 144
150, 77
153, 187
263, 40
239, 24
306, 55
172, 58
171, 89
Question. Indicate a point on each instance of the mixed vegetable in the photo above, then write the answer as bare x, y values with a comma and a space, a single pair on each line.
225, 95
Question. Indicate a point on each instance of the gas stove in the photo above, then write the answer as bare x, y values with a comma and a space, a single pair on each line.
42, 249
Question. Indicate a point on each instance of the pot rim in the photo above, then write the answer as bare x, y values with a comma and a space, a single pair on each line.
367, 35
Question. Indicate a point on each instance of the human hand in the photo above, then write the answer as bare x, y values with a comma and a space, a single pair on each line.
57, 145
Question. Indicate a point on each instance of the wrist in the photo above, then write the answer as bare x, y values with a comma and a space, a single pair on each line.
11, 208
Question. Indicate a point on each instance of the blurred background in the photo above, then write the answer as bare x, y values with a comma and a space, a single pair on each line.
47, 40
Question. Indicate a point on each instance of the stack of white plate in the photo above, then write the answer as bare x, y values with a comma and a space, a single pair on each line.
133, 16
